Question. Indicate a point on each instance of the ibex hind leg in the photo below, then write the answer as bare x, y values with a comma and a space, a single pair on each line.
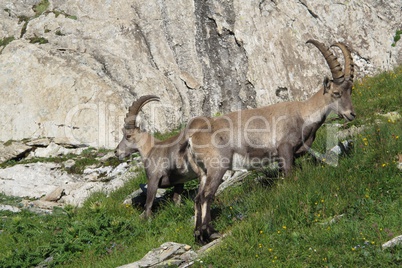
204, 231
197, 209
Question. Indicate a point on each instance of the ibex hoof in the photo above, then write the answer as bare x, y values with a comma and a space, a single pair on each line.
144, 216
215, 236
206, 235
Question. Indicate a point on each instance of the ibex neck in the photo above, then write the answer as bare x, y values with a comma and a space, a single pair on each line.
316, 108
145, 144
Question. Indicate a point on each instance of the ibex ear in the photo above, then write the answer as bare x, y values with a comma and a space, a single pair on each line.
327, 84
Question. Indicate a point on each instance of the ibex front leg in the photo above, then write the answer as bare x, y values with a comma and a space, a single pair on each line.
286, 158
152, 188
177, 191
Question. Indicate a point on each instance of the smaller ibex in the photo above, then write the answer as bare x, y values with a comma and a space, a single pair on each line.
251, 138
165, 162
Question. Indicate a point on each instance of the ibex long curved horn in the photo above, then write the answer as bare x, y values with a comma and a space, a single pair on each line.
129, 121
336, 69
349, 64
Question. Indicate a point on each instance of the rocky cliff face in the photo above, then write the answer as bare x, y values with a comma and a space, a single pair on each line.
70, 68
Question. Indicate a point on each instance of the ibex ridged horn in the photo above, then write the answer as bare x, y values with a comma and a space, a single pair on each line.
135, 108
332, 61
349, 65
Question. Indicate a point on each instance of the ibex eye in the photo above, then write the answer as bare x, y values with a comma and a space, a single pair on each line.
128, 136
336, 94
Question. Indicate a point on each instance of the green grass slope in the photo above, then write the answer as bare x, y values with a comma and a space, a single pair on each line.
322, 216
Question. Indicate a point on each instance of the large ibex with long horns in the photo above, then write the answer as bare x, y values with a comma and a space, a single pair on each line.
166, 164
245, 139
255, 137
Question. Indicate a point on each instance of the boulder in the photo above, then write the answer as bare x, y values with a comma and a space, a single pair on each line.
393, 242
13, 150
69, 163
53, 150
39, 142
172, 254
9, 208
55, 195
167, 254
138, 197
48, 184
33, 180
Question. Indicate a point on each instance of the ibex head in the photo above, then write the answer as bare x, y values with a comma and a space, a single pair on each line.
339, 89
133, 138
